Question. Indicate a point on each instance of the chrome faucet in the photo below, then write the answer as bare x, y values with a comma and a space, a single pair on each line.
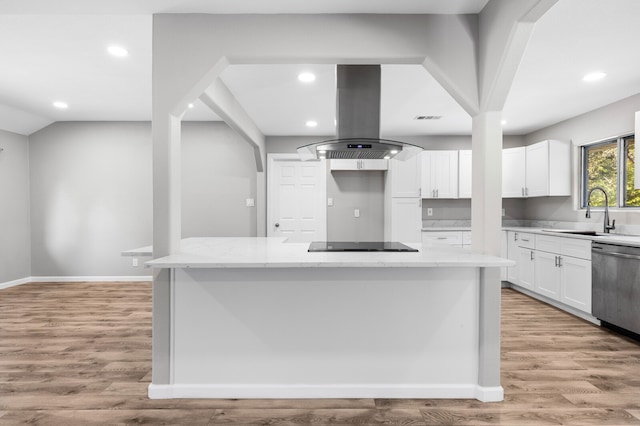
607, 227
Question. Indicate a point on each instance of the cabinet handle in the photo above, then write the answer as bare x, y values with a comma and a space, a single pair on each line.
526, 241
556, 261
559, 261
515, 236
532, 258
522, 192
437, 193
526, 192
442, 238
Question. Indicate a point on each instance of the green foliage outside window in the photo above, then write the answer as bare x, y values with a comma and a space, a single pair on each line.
632, 196
610, 165
602, 165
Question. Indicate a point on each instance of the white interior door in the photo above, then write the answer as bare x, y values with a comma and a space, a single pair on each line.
296, 199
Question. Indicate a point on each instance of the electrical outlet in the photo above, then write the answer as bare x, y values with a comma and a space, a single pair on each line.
134, 262
330, 201
250, 202
356, 213
429, 211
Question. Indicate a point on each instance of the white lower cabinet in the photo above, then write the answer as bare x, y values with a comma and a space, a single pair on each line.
526, 268
558, 268
452, 238
547, 280
576, 283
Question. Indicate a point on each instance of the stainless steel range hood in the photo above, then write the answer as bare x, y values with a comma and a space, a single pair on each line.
358, 120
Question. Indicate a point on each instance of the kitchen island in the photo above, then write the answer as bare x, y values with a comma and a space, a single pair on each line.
262, 318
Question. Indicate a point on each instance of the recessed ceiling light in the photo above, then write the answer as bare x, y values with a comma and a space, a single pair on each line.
118, 51
386, 157
594, 76
394, 151
60, 105
190, 105
306, 77
503, 122
311, 123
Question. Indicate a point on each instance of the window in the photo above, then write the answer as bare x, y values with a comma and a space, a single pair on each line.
610, 165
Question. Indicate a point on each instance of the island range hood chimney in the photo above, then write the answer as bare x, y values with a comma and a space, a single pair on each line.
358, 120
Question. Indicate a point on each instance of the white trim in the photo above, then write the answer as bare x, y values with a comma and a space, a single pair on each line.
448, 391
114, 278
15, 282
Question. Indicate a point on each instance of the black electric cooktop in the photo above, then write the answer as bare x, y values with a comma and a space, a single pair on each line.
362, 246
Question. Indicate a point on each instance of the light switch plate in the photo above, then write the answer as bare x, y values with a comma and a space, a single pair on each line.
330, 201
251, 202
356, 213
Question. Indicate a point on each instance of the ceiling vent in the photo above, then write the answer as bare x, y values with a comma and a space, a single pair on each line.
427, 117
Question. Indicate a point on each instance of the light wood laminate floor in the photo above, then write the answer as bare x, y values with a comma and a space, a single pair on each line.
79, 354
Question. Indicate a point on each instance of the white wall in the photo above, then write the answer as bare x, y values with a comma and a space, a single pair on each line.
612, 120
15, 254
90, 197
218, 175
91, 192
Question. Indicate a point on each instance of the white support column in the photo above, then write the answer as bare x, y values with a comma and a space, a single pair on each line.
166, 234
486, 224
486, 204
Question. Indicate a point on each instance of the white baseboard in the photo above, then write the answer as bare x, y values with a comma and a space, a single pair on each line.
74, 279
15, 282
71, 279
484, 394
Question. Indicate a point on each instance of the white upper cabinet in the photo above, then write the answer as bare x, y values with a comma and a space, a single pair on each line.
513, 172
464, 174
405, 177
549, 168
538, 170
349, 164
439, 174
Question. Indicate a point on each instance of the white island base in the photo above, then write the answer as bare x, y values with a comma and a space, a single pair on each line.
325, 332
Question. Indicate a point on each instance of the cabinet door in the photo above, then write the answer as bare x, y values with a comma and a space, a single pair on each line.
440, 174
351, 164
428, 190
464, 174
406, 220
537, 169
526, 268
512, 254
547, 275
576, 283
405, 177
513, 172
444, 165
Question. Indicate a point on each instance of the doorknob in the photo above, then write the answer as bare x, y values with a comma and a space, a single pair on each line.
277, 225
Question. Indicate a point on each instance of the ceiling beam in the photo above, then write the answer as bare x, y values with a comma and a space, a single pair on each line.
219, 98
505, 27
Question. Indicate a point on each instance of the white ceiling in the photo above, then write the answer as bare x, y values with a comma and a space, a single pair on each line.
57, 51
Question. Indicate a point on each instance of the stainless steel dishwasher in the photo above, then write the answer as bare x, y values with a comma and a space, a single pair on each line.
616, 285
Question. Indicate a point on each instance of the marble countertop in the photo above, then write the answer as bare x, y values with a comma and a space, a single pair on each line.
263, 252
612, 238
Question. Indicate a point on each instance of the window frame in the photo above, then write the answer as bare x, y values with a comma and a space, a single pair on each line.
621, 173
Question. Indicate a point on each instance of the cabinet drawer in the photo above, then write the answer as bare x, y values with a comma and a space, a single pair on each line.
566, 246
453, 238
526, 240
